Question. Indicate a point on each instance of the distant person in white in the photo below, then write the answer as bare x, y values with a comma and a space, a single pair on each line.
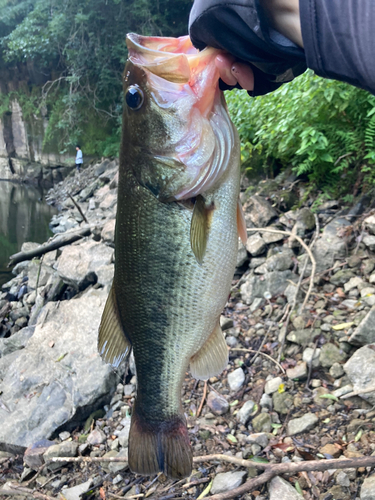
79, 158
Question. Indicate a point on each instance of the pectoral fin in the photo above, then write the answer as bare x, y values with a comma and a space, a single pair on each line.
212, 358
200, 227
241, 223
113, 345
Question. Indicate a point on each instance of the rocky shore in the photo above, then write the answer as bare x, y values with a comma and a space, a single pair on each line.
300, 384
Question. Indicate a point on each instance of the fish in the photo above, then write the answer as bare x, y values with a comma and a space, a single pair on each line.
176, 240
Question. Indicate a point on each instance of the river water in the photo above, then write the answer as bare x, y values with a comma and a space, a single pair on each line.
24, 216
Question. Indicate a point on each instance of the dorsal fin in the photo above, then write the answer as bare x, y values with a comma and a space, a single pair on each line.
113, 344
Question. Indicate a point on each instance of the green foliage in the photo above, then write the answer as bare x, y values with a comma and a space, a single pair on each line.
323, 128
82, 44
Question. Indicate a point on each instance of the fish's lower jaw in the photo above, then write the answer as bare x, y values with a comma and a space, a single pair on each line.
160, 447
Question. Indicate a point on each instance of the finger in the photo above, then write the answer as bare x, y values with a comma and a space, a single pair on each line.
224, 64
243, 74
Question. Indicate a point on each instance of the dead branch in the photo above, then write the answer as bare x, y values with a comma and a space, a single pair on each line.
58, 242
261, 353
78, 208
14, 489
358, 393
203, 398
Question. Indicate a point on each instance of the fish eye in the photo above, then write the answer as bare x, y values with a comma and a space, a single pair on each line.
134, 97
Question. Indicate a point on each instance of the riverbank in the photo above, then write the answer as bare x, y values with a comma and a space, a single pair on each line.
281, 397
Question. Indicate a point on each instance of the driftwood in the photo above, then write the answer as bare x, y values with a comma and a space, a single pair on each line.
78, 208
57, 242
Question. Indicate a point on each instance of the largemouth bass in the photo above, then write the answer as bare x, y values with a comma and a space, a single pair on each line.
176, 240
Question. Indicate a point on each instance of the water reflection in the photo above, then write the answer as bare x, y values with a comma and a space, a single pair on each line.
24, 216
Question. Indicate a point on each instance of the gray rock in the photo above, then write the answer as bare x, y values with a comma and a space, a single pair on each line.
244, 413
236, 379
44, 274
242, 256
217, 404
361, 378
33, 456
311, 354
302, 337
279, 489
280, 261
369, 223
115, 467
108, 232
369, 241
259, 438
274, 283
86, 193
353, 283
273, 385
341, 277
257, 304
305, 222
16, 342
65, 449
227, 481
282, 402
96, 437
365, 331
226, 323
256, 262
272, 237
266, 401
330, 354
255, 244
79, 265
336, 370
302, 424
297, 372
75, 492
101, 168
368, 488
259, 211
72, 383
330, 247
123, 436
262, 422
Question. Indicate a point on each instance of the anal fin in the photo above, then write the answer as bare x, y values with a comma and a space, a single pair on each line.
241, 223
200, 227
212, 358
113, 344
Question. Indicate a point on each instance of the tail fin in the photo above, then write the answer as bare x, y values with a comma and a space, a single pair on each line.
159, 447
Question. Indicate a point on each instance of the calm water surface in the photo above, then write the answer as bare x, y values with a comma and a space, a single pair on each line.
24, 216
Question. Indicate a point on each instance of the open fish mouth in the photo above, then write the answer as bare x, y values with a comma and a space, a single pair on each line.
186, 80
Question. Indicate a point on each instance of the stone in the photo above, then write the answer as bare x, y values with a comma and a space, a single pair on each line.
282, 402
272, 237
255, 244
242, 255
226, 323
16, 342
330, 247
368, 488
367, 290
369, 241
369, 224
262, 422
245, 412
115, 467
123, 436
302, 424
298, 372
78, 265
217, 404
279, 489
260, 438
273, 283
236, 379
302, 337
273, 385
361, 378
353, 283
266, 401
74, 380
75, 492
227, 481
44, 274
64, 449
342, 479
108, 232
342, 277
259, 211
365, 331
331, 450
33, 456
280, 261
336, 370
330, 354
88, 191
337, 493
96, 437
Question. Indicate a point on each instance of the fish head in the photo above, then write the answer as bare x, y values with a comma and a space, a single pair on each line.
177, 135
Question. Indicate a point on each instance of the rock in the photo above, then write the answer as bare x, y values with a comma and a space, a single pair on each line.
368, 488
259, 211
108, 232
369, 241
74, 380
305, 222
282, 402
33, 456
337, 493
311, 354
331, 450
299, 372
123, 435
259, 438
101, 168
272, 237
86, 193
266, 401
227, 481
108, 202
361, 378
273, 385
262, 422
330, 354
330, 247
255, 244
341, 277
244, 413
353, 283
236, 379
336, 370
342, 479
279, 489
78, 265
280, 261
96, 437
16, 342
242, 256
226, 323
44, 274
274, 283
257, 304
365, 332
75, 492
302, 337
115, 467
302, 424
65, 449
217, 404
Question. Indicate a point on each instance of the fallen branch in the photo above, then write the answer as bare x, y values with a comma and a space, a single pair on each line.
358, 393
303, 244
259, 352
78, 208
59, 241
14, 489
203, 398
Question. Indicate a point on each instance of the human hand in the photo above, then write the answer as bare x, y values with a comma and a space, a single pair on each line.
232, 71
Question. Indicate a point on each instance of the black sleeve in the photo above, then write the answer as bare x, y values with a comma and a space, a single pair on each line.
240, 27
339, 39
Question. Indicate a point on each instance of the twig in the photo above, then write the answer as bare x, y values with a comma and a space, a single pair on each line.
303, 244
261, 353
197, 481
78, 208
203, 398
37, 278
358, 393
17, 490
261, 346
